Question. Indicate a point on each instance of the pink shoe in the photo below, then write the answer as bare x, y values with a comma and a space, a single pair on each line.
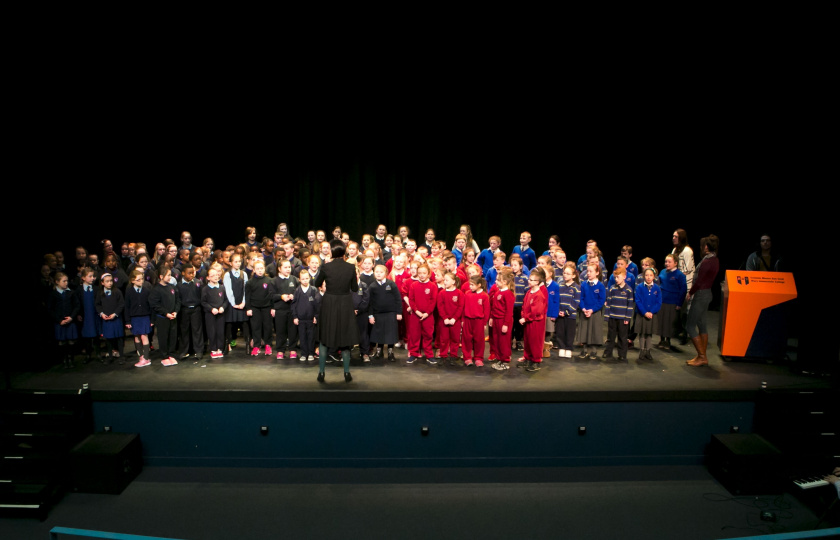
268, 350
172, 361
280, 355
468, 362
142, 363
255, 351
479, 363
215, 354
165, 362
293, 355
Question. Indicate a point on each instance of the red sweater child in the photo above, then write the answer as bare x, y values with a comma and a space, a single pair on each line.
476, 315
422, 298
501, 315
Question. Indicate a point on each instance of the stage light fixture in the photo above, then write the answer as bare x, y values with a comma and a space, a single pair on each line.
424, 431
734, 429
581, 430
263, 430
106, 429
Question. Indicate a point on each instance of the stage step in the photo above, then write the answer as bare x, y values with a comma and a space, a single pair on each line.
37, 431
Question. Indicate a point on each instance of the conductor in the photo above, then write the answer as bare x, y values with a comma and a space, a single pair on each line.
337, 324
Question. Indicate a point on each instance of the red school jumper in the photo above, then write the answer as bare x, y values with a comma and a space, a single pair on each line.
534, 308
501, 311
450, 305
422, 296
400, 280
476, 314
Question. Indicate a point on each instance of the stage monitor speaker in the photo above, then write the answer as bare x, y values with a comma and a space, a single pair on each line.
746, 464
106, 462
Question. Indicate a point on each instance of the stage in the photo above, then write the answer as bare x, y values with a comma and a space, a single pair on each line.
239, 377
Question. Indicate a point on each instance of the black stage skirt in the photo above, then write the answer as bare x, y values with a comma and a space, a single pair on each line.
337, 323
386, 329
235, 315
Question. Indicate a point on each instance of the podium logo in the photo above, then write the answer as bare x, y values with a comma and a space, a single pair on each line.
746, 280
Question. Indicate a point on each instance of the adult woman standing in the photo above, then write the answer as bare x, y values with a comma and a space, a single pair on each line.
685, 262
337, 327
700, 295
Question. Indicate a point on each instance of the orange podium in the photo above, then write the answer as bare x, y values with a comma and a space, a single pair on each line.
754, 313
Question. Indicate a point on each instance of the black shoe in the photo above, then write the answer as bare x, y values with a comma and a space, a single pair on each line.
377, 354
410, 360
347, 376
533, 366
607, 354
433, 361
320, 376
583, 355
391, 356
332, 358
453, 360
647, 355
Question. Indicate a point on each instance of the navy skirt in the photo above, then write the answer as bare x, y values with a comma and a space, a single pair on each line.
66, 332
141, 326
113, 329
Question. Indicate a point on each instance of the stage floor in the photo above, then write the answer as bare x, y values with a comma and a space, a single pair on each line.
239, 377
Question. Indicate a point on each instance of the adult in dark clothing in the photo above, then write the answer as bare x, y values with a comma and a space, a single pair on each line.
764, 259
700, 295
337, 324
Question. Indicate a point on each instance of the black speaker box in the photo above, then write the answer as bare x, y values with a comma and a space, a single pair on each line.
746, 464
106, 462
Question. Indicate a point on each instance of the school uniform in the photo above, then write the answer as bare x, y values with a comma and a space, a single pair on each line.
529, 258
476, 315
306, 306
450, 305
284, 327
60, 305
384, 304
214, 296
258, 300
190, 318
361, 302
534, 307
501, 312
564, 327
458, 254
592, 296
520, 288
90, 327
403, 282
485, 260
552, 305
111, 302
137, 310
673, 286
164, 299
234, 283
367, 278
422, 297
120, 279
618, 312
648, 300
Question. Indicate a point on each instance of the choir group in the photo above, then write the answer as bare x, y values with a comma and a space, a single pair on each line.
426, 297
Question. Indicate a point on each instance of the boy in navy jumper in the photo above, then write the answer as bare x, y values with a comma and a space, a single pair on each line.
190, 318
529, 258
619, 313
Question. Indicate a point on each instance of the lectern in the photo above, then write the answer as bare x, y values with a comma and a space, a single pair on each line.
754, 313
